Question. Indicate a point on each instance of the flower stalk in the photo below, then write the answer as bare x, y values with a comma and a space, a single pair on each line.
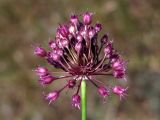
83, 100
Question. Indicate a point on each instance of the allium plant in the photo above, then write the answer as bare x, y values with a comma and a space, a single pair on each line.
76, 51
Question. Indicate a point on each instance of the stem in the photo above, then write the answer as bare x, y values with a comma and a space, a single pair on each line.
83, 100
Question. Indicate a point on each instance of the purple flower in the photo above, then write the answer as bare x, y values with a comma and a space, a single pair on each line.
62, 31
87, 18
52, 96
41, 71
104, 39
103, 91
108, 50
72, 29
74, 19
98, 27
91, 32
71, 83
119, 68
44, 80
39, 51
54, 56
79, 38
75, 52
76, 99
52, 44
119, 90
78, 47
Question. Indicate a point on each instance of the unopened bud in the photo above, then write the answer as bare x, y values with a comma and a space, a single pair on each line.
87, 18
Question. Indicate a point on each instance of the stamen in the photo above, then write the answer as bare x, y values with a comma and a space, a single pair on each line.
64, 66
66, 62
98, 81
93, 82
85, 57
72, 55
102, 61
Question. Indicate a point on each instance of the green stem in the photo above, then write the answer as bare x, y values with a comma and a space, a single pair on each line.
83, 100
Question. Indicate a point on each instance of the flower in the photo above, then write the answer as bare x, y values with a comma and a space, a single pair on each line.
39, 51
52, 96
98, 27
74, 19
87, 18
47, 79
119, 90
103, 91
76, 101
104, 39
119, 68
76, 50
41, 71
71, 83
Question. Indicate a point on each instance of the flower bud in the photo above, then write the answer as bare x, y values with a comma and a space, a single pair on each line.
74, 19
104, 39
78, 47
98, 27
119, 68
71, 83
41, 71
119, 73
114, 57
79, 38
55, 56
39, 51
87, 18
91, 32
76, 99
103, 91
108, 50
65, 43
84, 33
59, 43
63, 31
53, 44
118, 64
72, 29
59, 51
52, 96
44, 80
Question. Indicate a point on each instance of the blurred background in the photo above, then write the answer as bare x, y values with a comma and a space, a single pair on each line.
134, 25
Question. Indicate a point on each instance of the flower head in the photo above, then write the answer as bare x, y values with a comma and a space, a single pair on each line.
76, 50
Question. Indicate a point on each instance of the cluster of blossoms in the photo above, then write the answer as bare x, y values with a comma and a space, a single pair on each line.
76, 51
